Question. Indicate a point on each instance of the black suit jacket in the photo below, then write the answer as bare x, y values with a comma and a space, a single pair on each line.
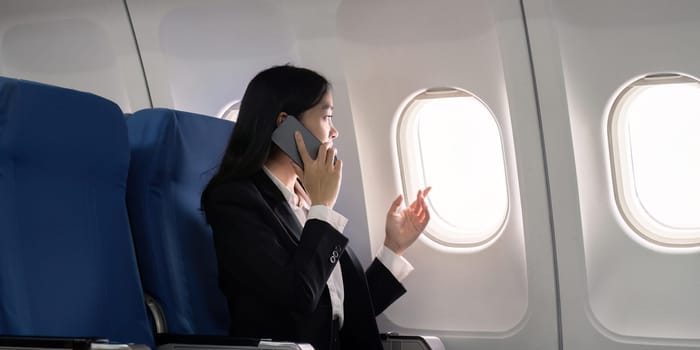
274, 272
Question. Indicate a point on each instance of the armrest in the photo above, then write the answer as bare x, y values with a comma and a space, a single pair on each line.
169, 341
156, 312
34, 342
172, 341
394, 341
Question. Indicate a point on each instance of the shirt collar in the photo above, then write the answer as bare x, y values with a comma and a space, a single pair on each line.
290, 196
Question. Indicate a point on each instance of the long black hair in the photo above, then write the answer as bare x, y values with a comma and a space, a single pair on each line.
275, 90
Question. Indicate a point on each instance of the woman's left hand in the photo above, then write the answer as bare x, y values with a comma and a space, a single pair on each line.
403, 226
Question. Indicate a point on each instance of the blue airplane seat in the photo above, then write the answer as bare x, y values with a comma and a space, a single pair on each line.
173, 156
67, 262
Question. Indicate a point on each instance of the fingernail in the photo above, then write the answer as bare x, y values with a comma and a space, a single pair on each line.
297, 134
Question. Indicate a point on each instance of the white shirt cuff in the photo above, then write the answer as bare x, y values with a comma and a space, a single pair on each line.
332, 217
396, 264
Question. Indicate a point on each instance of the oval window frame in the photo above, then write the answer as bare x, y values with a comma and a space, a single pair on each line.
410, 186
632, 211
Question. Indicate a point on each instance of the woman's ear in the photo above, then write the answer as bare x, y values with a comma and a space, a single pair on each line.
280, 118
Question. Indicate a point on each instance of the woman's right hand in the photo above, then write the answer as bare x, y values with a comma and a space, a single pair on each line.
321, 177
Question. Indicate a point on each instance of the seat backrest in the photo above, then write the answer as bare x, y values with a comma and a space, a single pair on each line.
173, 156
67, 262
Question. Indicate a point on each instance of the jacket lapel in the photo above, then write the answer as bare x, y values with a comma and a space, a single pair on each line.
278, 203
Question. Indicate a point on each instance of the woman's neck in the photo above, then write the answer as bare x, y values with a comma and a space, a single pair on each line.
283, 169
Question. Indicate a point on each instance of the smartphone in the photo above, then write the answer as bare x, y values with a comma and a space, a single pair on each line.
283, 137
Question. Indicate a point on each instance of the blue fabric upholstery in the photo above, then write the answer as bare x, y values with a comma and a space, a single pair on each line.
173, 156
67, 262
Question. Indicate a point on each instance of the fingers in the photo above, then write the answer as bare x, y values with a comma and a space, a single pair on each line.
420, 197
419, 207
323, 152
425, 217
301, 147
395, 205
417, 211
326, 153
338, 165
416, 203
330, 157
420, 210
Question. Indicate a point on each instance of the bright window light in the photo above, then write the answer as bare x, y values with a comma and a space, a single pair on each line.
654, 130
450, 140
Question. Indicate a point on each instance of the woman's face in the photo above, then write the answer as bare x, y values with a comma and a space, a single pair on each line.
319, 119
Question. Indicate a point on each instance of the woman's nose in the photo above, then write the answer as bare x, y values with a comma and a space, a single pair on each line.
333, 133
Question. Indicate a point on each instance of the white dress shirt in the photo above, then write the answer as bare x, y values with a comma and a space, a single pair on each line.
397, 265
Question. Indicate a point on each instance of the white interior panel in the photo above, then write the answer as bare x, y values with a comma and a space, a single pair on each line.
651, 292
636, 293
85, 45
199, 56
397, 49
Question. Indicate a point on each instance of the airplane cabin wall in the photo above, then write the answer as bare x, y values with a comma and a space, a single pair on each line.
498, 295
85, 45
618, 290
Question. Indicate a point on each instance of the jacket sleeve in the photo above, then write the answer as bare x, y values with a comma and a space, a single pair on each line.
250, 247
383, 286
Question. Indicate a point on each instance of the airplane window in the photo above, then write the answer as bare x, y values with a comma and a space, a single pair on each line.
449, 139
230, 111
655, 153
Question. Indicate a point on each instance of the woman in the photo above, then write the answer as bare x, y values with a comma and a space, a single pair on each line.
284, 264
